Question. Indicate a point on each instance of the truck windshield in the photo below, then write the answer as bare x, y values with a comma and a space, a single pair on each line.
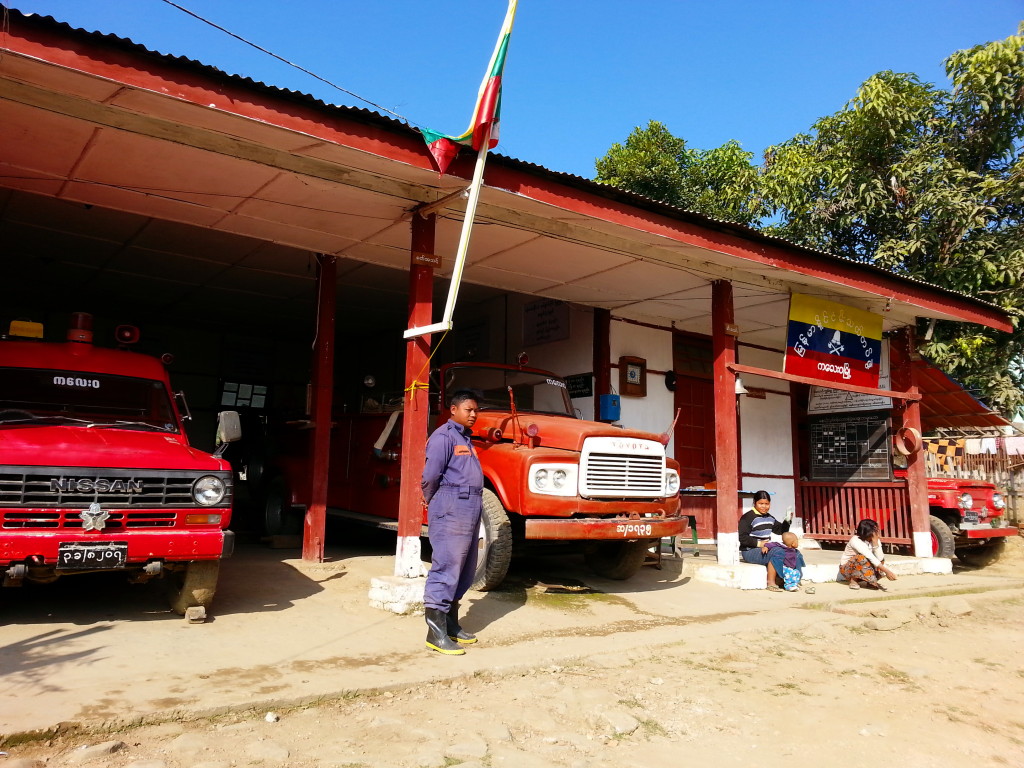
533, 392
30, 395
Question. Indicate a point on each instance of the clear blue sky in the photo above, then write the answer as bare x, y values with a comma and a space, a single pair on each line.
581, 74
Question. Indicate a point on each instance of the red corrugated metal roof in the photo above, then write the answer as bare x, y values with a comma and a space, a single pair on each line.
946, 404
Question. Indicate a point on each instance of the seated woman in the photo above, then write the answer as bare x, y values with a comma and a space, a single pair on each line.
755, 530
862, 561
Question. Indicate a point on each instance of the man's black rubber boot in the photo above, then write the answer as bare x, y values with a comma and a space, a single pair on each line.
437, 636
455, 632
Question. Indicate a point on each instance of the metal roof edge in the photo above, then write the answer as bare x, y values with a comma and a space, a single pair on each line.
589, 185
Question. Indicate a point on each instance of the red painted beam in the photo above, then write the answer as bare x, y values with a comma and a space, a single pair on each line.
738, 368
322, 387
602, 358
723, 347
905, 375
416, 415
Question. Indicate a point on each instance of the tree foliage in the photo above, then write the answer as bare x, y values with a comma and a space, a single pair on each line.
925, 181
721, 182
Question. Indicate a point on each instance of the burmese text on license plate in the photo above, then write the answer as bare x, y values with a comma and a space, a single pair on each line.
111, 554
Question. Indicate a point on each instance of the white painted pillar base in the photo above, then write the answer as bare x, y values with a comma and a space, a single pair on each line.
397, 594
408, 563
922, 544
728, 548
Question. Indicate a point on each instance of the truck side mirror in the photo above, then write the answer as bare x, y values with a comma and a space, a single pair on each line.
229, 427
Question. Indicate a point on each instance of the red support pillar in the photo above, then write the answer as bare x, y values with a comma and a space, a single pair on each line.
723, 345
416, 413
322, 390
602, 358
904, 378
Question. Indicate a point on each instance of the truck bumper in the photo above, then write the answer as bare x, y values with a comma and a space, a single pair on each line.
143, 546
605, 528
987, 533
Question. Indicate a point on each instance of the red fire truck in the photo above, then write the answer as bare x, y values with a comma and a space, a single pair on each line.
96, 473
967, 519
549, 475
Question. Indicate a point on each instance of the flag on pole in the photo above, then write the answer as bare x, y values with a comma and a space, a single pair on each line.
443, 147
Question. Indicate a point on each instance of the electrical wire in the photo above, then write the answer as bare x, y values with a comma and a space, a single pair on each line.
195, 15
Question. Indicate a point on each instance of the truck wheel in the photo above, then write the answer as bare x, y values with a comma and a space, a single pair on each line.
494, 547
193, 586
616, 559
943, 544
983, 555
279, 517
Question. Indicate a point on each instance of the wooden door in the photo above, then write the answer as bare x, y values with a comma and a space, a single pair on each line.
694, 437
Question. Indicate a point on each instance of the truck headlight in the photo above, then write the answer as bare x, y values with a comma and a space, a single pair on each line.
998, 502
554, 479
966, 501
208, 490
671, 482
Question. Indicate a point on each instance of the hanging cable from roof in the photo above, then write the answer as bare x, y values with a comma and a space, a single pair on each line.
195, 15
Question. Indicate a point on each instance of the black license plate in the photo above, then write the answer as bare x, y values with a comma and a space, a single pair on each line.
73, 555
970, 517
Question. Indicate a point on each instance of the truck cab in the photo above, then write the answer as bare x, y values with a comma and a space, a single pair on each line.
967, 518
549, 476
96, 472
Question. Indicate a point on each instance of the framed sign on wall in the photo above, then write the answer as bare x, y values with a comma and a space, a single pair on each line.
633, 376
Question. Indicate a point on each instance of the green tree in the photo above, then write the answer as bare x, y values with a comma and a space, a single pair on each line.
721, 182
928, 183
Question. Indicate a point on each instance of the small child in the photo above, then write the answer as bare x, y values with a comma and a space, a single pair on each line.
785, 560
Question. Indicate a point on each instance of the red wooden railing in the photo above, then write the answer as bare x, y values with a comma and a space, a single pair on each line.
831, 511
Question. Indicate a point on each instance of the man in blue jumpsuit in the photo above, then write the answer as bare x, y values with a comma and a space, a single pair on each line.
452, 486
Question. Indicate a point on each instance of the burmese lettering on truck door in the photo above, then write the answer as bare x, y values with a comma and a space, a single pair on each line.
96, 473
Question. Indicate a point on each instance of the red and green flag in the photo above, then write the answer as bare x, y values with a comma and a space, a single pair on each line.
443, 147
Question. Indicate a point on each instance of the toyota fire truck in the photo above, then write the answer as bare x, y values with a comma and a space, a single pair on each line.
96, 473
549, 476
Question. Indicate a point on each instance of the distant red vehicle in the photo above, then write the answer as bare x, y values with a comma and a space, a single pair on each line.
967, 519
96, 473
549, 475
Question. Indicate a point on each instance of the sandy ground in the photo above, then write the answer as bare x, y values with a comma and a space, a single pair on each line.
931, 674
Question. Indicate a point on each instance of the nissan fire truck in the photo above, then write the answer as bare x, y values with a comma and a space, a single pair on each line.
96, 473
549, 476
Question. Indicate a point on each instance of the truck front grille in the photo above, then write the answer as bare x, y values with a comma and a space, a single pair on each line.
608, 474
613, 468
72, 519
48, 497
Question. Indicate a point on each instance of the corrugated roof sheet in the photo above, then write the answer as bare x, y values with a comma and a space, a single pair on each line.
578, 182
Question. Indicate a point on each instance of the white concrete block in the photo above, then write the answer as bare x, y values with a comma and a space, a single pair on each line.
397, 594
941, 565
728, 548
739, 576
820, 573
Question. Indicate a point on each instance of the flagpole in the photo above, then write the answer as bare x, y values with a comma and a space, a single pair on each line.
460, 256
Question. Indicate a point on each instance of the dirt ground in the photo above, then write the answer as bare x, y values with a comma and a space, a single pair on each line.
905, 679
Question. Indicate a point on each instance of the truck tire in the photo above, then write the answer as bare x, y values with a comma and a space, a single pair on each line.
193, 586
943, 544
983, 555
616, 559
279, 517
494, 548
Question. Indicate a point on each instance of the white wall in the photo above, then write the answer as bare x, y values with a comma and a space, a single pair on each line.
652, 413
565, 357
766, 432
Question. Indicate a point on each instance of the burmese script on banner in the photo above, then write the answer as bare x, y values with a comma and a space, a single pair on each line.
833, 342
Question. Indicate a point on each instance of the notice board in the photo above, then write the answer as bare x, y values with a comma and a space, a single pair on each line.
851, 447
